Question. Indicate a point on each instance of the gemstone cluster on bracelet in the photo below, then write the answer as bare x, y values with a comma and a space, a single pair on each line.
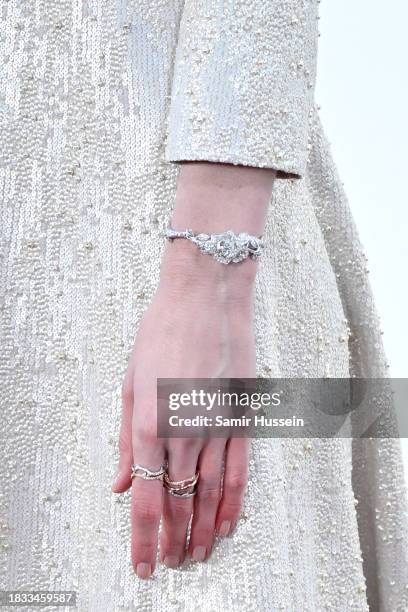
226, 248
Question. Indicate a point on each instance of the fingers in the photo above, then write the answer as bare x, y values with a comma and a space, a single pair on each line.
234, 484
122, 480
182, 464
146, 510
207, 499
212, 511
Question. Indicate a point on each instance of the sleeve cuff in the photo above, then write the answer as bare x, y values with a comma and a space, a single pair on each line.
243, 84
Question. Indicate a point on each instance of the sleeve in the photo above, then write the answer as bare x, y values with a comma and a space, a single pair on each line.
243, 83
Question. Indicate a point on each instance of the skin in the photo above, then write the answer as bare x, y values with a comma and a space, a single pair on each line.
199, 303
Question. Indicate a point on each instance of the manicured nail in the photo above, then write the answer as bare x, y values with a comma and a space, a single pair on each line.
171, 561
224, 528
143, 570
199, 553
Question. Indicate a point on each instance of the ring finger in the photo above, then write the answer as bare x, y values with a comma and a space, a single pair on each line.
207, 499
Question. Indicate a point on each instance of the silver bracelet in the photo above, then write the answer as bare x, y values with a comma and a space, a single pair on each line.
226, 248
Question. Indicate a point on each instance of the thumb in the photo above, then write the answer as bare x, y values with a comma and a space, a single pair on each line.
122, 479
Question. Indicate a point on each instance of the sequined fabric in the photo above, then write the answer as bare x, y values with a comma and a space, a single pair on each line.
228, 55
98, 101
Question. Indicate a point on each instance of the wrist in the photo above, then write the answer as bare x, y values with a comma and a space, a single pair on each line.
188, 272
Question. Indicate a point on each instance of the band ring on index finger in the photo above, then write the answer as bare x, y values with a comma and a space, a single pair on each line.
140, 471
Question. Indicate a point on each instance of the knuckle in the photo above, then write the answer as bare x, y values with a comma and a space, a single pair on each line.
231, 508
145, 511
179, 512
209, 493
189, 445
146, 433
236, 481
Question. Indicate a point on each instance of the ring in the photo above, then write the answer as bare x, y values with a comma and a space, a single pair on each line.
138, 471
181, 488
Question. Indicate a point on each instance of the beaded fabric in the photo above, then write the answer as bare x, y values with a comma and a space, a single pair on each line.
99, 100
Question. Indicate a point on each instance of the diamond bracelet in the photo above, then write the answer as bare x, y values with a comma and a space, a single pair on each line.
226, 248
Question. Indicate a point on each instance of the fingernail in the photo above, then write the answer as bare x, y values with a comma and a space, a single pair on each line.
224, 528
143, 570
199, 553
171, 561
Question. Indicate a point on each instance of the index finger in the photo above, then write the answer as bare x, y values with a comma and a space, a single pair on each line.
146, 511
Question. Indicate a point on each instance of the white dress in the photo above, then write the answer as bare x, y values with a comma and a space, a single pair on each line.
99, 100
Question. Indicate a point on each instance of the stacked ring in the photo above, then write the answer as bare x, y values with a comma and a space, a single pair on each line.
181, 488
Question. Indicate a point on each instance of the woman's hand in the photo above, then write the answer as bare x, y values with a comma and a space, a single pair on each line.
197, 326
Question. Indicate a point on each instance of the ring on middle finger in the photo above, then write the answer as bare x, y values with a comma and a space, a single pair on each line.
181, 488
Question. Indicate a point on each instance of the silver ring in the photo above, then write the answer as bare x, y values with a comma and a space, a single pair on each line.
139, 471
176, 493
181, 488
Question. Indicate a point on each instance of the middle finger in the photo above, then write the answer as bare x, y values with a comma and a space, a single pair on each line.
182, 464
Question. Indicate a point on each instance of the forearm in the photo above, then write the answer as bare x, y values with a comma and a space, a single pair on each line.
215, 197
212, 198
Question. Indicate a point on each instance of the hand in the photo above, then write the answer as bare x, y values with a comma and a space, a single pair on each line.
199, 325
189, 311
